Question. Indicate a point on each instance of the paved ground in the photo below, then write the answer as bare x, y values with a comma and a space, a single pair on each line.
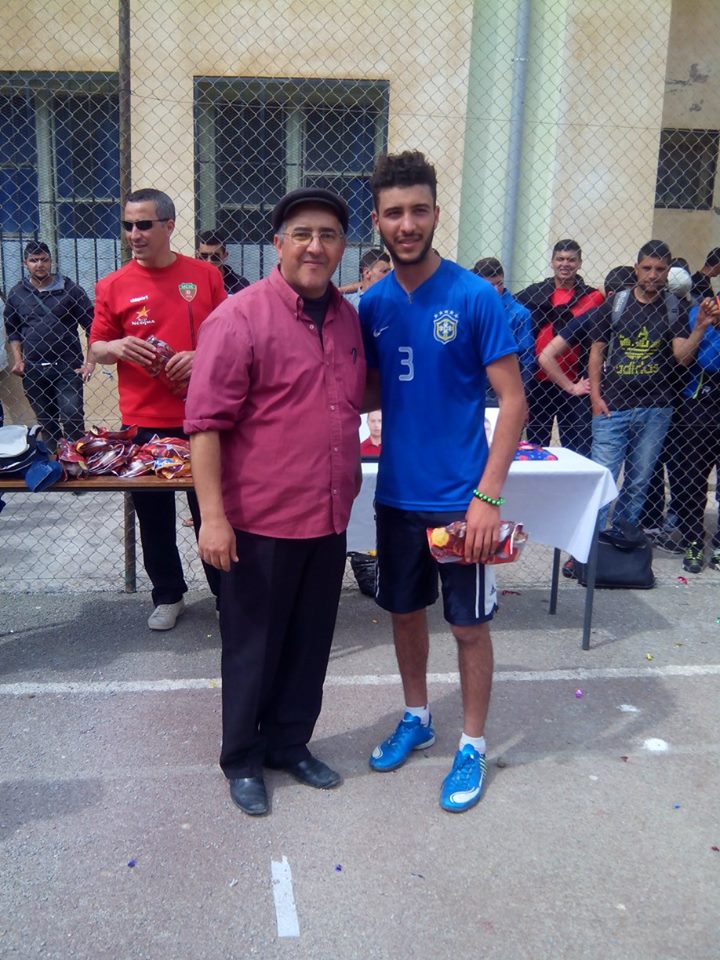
119, 839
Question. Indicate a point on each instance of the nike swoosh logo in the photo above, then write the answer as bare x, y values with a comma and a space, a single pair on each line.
376, 333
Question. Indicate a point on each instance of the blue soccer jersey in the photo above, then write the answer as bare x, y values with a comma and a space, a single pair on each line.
432, 348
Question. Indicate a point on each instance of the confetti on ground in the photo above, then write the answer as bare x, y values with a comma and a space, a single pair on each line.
676, 806
338, 868
578, 694
131, 863
656, 745
649, 656
234, 882
715, 849
628, 708
682, 580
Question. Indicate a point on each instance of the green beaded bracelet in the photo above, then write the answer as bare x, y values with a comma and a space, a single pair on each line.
493, 501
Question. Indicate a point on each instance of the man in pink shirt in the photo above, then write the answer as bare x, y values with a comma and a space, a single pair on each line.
273, 413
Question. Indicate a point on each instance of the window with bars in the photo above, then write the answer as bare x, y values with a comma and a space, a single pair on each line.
687, 167
59, 155
258, 138
59, 171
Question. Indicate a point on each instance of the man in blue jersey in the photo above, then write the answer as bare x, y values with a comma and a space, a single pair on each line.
435, 334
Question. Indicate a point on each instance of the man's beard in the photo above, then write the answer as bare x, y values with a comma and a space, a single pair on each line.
399, 260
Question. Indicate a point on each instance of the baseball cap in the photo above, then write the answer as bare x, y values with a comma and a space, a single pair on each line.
679, 281
307, 195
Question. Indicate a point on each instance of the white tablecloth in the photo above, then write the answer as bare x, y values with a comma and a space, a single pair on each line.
557, 502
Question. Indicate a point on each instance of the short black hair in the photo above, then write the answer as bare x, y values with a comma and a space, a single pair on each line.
657, 249
619, 278
34, 247
488, 267
567, 244
406, 169
371, 257
211, 239
713, 257
164, 207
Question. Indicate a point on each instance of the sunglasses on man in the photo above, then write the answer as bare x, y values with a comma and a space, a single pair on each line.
142, 225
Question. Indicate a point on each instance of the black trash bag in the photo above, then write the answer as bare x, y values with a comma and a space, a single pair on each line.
624, 560
364, 566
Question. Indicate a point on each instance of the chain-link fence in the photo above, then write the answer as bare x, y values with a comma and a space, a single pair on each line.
545, 119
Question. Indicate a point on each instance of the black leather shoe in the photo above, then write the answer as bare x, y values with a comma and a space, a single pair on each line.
250, 795
312, 772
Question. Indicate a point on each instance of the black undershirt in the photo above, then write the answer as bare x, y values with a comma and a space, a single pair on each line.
316, 308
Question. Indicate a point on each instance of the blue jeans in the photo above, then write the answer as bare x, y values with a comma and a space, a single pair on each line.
634, 437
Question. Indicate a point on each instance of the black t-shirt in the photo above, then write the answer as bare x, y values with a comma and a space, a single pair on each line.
316, 308
640, 370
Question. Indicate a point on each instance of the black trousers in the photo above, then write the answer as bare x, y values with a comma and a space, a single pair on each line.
278, 607
157, 519
546, 401
55, 392
693, 445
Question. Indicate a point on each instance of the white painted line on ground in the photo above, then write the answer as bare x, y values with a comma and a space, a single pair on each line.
285, 912
98, 687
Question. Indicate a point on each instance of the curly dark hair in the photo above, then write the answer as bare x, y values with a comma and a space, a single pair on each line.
406, 169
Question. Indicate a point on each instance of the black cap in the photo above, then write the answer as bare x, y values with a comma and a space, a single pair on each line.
307, 195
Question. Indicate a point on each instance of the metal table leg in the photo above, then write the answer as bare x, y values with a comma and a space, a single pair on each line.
554, 581
590, 594
130, 544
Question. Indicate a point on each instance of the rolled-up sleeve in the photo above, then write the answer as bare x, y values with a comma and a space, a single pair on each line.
221, 372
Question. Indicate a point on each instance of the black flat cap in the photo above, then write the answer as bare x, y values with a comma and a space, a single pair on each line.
307, 195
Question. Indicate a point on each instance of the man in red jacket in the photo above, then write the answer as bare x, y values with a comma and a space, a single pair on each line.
553, 303
166, 295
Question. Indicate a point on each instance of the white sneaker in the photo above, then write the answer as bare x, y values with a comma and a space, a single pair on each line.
165, 615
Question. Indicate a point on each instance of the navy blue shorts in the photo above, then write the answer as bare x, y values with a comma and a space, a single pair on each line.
407, 575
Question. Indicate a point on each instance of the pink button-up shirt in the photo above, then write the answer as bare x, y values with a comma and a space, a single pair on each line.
287, 406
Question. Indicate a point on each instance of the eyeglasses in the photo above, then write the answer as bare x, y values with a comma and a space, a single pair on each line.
142, 225
302, 236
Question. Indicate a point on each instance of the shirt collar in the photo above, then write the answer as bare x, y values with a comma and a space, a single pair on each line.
291, 298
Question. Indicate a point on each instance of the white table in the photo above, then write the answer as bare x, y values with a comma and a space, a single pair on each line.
557, 501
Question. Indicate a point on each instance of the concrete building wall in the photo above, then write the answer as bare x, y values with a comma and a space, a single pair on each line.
692, 101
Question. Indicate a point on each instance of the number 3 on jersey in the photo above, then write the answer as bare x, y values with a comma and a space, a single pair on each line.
406, 361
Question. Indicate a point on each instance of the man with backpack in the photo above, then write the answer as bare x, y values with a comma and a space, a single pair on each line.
42, 315
638, 339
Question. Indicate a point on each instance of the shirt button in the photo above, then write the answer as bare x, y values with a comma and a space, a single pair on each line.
332, 406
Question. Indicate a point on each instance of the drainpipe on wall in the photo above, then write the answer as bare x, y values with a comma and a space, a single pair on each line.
517, 120
124, 100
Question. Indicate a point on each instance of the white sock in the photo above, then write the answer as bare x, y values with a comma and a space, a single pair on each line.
478, 743
422, 712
